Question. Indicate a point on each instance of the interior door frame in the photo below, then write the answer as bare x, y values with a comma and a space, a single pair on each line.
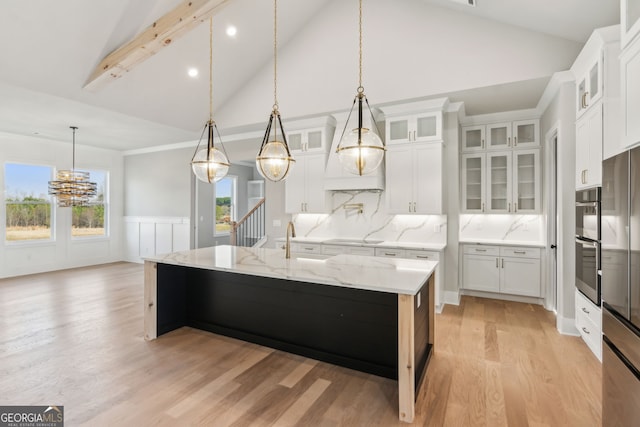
552, 295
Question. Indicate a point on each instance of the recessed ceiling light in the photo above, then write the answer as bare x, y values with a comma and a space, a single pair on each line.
232, 31
193, 72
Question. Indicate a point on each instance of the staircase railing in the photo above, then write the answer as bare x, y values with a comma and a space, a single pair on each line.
251, 228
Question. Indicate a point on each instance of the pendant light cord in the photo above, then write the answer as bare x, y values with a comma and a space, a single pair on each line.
360, 88
73, 156
275, 55
211, 69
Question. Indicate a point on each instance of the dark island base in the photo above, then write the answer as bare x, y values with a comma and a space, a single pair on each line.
354, 328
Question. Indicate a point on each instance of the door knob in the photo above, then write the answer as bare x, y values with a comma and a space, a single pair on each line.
553, 246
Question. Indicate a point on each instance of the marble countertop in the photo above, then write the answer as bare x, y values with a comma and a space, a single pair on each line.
365, 243
504, 242
392, 275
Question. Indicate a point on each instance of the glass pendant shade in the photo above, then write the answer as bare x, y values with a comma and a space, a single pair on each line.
274, 160
210, 164
72, 187
361, 153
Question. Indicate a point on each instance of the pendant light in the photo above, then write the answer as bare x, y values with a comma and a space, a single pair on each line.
360, 151
72, 187
274, 159
210, 164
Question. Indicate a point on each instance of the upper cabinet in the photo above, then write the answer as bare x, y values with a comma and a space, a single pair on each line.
310, 135
414, 122
500, 167
597, 73
630, 72
421, 127
498, 136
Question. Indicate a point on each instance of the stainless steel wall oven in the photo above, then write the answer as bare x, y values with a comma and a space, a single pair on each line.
588, 236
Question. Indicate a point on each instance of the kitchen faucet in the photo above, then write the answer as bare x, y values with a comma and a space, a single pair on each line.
287, 249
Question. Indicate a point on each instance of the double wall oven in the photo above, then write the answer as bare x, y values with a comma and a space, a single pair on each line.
588, 235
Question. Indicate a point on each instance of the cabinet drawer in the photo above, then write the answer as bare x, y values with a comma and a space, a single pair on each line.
520, 252
333, 250
590, 333
361, 251
418, 254
585, 308
391, 253
309, 248
482, 250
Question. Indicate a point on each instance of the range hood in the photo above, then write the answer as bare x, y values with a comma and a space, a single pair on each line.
336, 178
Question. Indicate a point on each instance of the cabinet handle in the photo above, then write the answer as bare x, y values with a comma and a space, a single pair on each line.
481, 250
308, 249
584, 100
409, 206
515, 207
502, 262
422, 256
389, 254
520, 252
515, 141
482, 207
482, 143
586, 176
585, 310
586, 331
509, 141
509, 207
496, 262
414, 207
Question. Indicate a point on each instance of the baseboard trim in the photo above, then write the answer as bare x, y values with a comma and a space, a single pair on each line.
451, 297
567, 326
505, 297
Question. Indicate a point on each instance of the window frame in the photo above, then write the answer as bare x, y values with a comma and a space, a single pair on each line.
105, 203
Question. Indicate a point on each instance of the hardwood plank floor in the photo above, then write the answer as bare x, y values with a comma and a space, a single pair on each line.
75, 338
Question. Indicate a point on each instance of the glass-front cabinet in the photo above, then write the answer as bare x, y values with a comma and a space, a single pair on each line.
630, 20
526, 133
473, 182
526, 179
306, 140
473, 138
499, 181
415, 128
499, 135
589, 86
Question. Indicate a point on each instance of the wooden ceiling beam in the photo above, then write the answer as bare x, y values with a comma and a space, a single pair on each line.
160, 34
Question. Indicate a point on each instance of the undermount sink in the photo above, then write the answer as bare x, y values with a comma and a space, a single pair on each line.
354, 241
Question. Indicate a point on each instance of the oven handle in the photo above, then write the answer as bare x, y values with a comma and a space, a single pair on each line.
593, 204
595, 245
587, 242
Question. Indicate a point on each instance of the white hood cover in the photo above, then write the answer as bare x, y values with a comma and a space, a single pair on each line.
336, 178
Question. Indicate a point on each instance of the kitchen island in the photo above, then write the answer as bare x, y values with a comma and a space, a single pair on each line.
371, 314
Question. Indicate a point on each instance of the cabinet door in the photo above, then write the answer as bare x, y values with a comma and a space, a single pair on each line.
481, 273
526, 133
314, 140
399, 185
473, 179
526, 181
294, 187
428, 127
594, 165
499, 182
520, 276
499, 135
630, 93
427, 181
295, 141
473, 138
629, 21
398, 130
315, 195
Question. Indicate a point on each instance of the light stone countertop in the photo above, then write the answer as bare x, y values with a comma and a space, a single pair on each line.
498, 242
365, 243
392, 275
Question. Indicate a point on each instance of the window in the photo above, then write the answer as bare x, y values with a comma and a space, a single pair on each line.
225, 195
90, 221
27, 203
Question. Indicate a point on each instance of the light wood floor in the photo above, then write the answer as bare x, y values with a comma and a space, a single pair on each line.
74, 338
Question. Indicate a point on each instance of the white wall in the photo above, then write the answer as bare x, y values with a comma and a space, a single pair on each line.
63, 251
561, 114
411, 50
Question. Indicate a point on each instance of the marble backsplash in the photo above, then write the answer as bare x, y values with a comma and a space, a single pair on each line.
344, 221
507, 228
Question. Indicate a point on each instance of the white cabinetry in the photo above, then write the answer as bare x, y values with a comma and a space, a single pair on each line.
589, 323
310, 135
414, 128
304, 187
630, 93
629, 20
501, 181
498, 136
414, 178
501, 269
589, 149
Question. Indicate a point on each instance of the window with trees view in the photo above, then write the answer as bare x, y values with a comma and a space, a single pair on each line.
225, 194
27, 203
90, 221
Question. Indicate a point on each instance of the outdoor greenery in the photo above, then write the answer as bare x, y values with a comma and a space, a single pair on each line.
28, 212
223, 214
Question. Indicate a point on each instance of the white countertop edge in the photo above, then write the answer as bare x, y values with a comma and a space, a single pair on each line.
503, 242
439, 247
410, 290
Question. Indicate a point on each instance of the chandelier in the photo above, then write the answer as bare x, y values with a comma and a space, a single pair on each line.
72, 187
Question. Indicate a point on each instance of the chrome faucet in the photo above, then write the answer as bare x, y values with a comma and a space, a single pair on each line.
291, 232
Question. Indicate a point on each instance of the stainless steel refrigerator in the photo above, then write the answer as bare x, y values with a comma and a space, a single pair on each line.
621, 290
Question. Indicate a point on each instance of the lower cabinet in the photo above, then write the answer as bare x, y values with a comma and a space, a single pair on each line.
589, 323
502, 269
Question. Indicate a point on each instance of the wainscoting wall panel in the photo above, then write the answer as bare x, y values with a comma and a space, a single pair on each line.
148, 236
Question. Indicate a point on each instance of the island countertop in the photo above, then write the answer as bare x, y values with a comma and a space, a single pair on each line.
398, 276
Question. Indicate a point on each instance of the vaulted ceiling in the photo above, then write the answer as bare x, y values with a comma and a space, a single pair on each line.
413, 48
